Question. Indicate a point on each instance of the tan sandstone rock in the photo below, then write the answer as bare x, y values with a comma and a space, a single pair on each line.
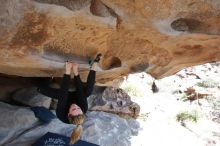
159, 37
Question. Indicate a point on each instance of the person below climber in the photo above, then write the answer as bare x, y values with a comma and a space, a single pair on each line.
72, 105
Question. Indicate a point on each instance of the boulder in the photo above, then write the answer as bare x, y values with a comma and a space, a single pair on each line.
14, 121
114, 100
19, 127
158, 37
31, 97
107, 129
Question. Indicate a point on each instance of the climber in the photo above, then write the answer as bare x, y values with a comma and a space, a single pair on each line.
72, 105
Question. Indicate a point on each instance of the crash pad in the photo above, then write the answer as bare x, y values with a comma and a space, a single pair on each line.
53, 139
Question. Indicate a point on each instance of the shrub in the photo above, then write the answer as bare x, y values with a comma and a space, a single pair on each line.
132, 90
214, 102
208, 83
188, 116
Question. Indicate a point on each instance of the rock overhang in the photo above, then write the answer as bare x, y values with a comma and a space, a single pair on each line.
160, 38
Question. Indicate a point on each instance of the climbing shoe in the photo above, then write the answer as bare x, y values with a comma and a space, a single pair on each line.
98, 57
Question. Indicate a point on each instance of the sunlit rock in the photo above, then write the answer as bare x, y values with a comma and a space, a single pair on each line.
158, 37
